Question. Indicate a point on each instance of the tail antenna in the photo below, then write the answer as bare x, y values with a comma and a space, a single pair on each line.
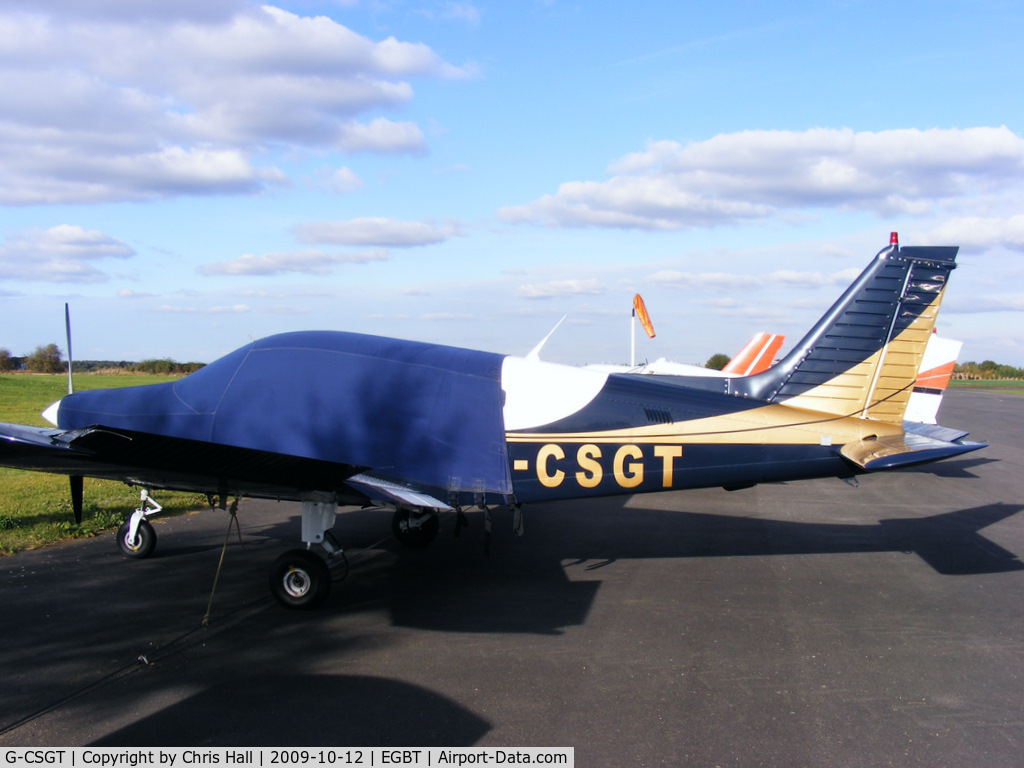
67, 326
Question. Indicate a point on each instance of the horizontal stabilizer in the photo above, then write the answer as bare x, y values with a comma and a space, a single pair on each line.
894, 451
934, 431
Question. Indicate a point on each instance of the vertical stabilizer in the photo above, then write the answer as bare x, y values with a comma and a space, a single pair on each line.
756, 356
863, 355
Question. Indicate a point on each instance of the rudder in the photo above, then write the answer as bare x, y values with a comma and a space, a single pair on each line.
862, 357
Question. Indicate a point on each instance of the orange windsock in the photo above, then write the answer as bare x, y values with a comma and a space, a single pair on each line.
641, 312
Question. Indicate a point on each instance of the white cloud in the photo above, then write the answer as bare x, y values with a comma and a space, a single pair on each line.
730, 281
459, 11
380, 135
308, 261
979, 232
448, 317
992, 302
123, 104
128, 9
61, 254
559, 288
343, 181
373, 231
761, 174
234, 309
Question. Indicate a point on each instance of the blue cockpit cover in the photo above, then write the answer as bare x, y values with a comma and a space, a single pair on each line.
423, 414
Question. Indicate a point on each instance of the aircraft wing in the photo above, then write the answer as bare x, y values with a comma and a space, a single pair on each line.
908, 449
160, 461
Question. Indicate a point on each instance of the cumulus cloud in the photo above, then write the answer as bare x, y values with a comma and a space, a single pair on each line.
342, 181
133, 9
130, 102
730, 281
448, 317
373, 231
980, 232
991, 303
61, 254
381, 135
559, 288
310, 261
459, 11
233, 309
754, 175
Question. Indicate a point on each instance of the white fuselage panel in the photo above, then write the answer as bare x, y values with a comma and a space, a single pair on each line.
538, 393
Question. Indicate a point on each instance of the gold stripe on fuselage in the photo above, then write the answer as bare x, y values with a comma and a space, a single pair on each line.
767, 425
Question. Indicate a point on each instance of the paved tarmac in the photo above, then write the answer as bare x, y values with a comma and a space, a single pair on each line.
808, 623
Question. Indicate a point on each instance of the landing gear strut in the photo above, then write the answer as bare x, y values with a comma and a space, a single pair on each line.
136, 537
300, 578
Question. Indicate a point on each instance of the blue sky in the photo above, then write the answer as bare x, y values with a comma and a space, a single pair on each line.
194, 174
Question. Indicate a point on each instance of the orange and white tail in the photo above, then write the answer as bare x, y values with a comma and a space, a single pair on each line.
756, 356
936, 369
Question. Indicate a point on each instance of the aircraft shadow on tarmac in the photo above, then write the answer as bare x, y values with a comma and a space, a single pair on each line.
523, 585
542, 583
308, 711
956, 469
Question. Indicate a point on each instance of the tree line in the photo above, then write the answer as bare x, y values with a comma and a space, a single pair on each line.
48, 358
987, 369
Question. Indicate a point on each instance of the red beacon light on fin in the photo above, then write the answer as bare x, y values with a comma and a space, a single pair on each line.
894, 238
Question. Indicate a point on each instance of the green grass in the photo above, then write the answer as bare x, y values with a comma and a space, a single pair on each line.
1009, 386
35, 508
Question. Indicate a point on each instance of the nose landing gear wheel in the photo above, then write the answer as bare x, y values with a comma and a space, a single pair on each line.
142, 545
300, 580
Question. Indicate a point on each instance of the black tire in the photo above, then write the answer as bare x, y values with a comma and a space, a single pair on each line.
300, 580
414, 537
144, 543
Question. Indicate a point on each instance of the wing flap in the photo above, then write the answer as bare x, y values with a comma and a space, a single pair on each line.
894, 451
383, 491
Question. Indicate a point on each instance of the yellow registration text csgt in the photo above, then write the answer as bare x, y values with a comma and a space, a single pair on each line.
586, 469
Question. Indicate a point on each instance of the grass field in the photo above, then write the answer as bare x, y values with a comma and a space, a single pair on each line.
1010, 386
35, 508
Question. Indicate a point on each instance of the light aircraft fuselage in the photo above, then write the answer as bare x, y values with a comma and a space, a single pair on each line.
330, 418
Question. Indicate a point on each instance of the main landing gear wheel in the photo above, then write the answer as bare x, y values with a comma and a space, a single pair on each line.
142, 545
411, 534
300, 580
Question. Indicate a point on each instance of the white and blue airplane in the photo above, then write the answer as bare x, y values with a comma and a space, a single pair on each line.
332, 418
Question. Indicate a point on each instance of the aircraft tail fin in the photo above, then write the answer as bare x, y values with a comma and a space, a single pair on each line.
939, 361
756, 356
862, 357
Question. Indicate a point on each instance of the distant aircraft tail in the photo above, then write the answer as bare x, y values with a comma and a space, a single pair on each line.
863, 356
939, 360
756, 356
